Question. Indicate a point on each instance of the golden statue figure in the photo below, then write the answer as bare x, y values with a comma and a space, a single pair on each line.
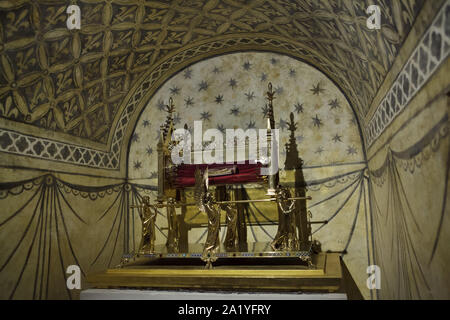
148, 218
212, 240
231, 238
223, 194
286, 238
173, 236
205, 203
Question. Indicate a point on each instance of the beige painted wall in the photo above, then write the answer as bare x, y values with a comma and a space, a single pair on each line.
38, 243
410, 219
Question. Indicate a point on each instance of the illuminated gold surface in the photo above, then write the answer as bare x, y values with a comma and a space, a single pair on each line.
148, 218
326, 277
252, 250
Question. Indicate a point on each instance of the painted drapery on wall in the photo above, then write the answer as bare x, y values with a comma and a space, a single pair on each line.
48, 224
408, 156
409, 193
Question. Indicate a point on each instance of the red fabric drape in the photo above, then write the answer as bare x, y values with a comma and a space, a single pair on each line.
244, 173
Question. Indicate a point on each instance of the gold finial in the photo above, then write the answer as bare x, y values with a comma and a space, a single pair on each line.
270, 94
170, 107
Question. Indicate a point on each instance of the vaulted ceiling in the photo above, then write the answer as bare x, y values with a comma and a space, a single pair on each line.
80, 83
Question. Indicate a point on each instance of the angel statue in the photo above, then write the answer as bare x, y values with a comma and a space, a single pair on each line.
148, 217
286, 238
232, 238
205, 203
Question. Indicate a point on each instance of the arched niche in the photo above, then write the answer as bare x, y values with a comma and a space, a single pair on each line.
228, 91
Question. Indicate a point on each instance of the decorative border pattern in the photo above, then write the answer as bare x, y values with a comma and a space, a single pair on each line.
18, 143
432, 50
415, 156
47, 149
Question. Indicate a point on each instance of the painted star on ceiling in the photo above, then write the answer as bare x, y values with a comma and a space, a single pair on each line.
334, 104
203, 85
320, 150
283, 124
187, 74
219, 99
236, 98
175, 91
337, 138
153, 175
221, 128
317, 89
317, 121
235, 111
250, 95
279, 90
137, 165
135, 137
232, 83
161, 105
351, 150
205, 116
299, 107
189, 101
263, 77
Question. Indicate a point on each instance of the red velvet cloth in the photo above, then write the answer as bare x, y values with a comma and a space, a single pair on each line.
244, 173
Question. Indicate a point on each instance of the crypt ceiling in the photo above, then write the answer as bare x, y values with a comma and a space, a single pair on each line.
88, 86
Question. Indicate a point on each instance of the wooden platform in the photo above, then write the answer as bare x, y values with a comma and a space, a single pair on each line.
325, 277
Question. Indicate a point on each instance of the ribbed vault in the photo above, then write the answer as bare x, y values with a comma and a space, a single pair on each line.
89, 85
